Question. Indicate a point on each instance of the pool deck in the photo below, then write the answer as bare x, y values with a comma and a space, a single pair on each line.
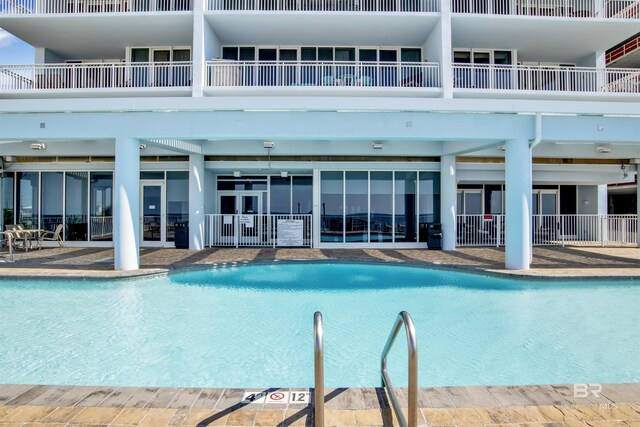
617, 405
552, 261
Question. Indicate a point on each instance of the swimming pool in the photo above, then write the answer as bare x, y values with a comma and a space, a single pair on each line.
252, 327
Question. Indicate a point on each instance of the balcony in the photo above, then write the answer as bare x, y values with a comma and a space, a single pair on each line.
43, 7
326, 5
613, 9
307, 78
530, 80
106, 79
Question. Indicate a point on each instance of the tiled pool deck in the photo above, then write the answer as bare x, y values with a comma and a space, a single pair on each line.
618, 405
532, 406
547, 261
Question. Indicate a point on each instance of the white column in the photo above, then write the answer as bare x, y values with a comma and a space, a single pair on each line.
126, 200
448, 197
197, 51
316, 208
196, 201
518, 205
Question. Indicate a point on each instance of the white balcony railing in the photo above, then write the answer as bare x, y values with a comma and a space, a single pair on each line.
548, 79
35, 77
327, 5
27, 7
326, 74
101, 227
615, 9
258, 230
551, 230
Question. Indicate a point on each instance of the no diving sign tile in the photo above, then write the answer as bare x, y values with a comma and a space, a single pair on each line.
277, 397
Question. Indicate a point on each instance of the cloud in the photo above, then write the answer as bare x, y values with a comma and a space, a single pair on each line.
6, 38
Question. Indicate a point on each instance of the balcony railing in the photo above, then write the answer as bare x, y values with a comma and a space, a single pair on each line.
615, 9
258, 230
37, 77
551, 230
623, 50
324, 74
327, 5
547, 79
26, 7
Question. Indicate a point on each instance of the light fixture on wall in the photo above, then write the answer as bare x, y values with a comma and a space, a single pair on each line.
603, 149
284, 174
501, 147
38, 146
237, 174
143, 146
269, 144
625, 171
377, 145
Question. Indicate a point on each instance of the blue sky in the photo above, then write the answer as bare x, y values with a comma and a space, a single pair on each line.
13, 50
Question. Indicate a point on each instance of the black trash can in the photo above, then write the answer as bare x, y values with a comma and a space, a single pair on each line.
181, 235
434, 238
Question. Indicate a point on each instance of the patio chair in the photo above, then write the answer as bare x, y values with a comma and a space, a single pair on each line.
52, 236
19, 239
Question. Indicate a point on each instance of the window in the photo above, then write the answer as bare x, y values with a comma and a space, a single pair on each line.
177, 201
7, 199
101, 203
27, 199
356, 206
52, 184
381, 207
76, 206
405, 207
280, 195
331, 220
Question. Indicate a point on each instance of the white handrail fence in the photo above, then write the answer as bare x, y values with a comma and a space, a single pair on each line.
551, 230
615, 9
327, 5
237, 230
95, 76
313, 73
28, 7
101, 227
546, 78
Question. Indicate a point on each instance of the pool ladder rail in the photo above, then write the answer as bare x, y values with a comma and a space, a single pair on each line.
403, 319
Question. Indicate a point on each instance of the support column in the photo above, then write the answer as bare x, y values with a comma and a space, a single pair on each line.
126, 200
448, 197
316, 208
196, 202
518, 205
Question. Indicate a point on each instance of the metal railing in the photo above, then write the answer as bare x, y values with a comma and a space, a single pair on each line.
412, 344
615, 9
546, 79
327, 74
258, 230
34, 77
28, 7
318, 370
551, 230
623, 50
101, 227
327, 5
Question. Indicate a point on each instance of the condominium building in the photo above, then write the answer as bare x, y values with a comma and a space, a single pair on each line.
319, 123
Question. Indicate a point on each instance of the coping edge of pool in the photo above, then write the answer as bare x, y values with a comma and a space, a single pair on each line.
18, 274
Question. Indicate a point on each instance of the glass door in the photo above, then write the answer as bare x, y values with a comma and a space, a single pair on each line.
482, 64
288, 60
153, 225
161, 67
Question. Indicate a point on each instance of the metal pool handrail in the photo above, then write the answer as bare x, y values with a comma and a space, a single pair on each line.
318, 364
403, 318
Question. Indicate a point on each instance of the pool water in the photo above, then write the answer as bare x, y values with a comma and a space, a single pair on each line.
252, 327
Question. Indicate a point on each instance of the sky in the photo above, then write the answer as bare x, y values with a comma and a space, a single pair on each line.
14, 51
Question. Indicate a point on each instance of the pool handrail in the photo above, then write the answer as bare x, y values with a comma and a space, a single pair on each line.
318, 365
412, 344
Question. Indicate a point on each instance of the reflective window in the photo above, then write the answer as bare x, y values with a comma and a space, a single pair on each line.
52, 184
177, 201
405, 207
280, 195
381, 207
7, 199
429, 198
331, 222
27, 199
76, 206
302, 195
357, 209
101, 209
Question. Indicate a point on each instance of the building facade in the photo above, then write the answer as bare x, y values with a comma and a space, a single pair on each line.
337, 123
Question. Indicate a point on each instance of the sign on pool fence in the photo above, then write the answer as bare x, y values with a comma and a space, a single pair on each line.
282, 397
290, 232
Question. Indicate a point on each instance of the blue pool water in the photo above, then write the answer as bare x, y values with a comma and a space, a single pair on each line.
252, 327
